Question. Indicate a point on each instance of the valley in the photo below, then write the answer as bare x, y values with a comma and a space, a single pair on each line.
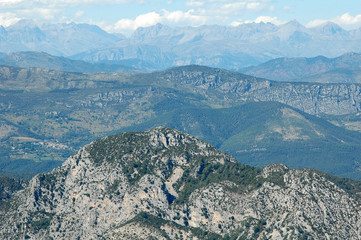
47, 115
173, 120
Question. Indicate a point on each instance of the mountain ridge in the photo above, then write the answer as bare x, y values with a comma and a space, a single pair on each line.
47, 61
306, 69
62, 111
159, 47
183, 188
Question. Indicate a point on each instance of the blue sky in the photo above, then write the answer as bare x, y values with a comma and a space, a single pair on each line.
124, 16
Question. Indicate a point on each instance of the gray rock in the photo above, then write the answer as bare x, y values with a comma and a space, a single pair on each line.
167, 185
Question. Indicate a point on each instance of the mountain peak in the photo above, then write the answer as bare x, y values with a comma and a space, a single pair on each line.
161, 142
293, 23
164, 194
24, 23
330, 28
274, 168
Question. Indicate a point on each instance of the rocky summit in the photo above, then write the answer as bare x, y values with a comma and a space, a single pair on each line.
164, 184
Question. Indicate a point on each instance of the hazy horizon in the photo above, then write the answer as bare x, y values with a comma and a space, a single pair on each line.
123, 16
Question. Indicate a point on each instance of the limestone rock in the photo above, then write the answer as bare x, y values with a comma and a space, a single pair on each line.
164, 184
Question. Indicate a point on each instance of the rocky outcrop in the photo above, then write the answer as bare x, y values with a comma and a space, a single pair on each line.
229, 88
167, 185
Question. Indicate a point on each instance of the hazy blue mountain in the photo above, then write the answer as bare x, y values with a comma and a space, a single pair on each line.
160, 46
45, 60
234, 47
57, 39
309, 69
339, 75
146, 56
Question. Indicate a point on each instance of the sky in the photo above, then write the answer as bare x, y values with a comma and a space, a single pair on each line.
124, 16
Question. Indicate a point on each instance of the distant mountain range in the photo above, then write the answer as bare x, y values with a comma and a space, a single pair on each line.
160, 46
47, 61
57, 39
342, 69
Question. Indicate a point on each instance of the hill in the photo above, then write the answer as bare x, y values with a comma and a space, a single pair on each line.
47, 61
47, 115
339, 75
267, 132
166, 184
342, 69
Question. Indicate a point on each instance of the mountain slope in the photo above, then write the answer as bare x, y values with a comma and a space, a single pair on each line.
167, 184
56, 39
339, 75
267, 132
307, 69
159, 47
46, 80
214, 84
44, 60
66, 110
231, 48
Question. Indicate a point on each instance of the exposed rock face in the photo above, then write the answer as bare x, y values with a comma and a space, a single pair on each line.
167, 185
230, 88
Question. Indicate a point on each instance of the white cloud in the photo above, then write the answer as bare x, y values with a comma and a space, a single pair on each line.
194, 3
316, 22
220, 11
255, 6
79, 14
286, 8
265, 19
231, 7
40, 13
10, 3
345, 20
152, 18
7, 19
144, 20
56, 3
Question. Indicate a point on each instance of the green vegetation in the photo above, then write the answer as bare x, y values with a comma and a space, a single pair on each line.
9, 186
208, 173
350, 186
40, 220
262, 133
64, 111
156, 222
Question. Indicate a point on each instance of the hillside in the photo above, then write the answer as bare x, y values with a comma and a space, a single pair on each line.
45, 60
261, 133
214, 84
47, 115
342, 69
339, 75
166, 184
